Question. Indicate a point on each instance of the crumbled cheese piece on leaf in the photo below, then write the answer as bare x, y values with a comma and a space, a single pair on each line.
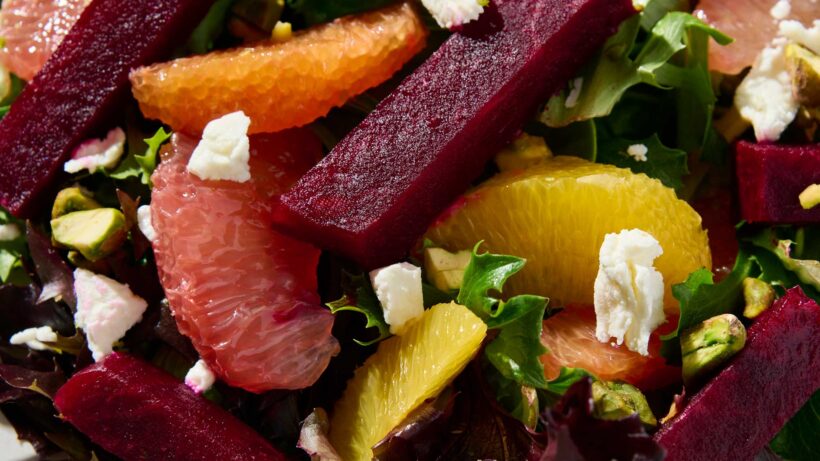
106, 310
200, 378
224, 151
638, 152
9, 232
34, 338
628, 290
574, 92
144, 222
800, 34
398, 288
97, 154
451, 13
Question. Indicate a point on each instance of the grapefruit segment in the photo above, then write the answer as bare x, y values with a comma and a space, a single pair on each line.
244, 294
570, 338
283, 85
32, 30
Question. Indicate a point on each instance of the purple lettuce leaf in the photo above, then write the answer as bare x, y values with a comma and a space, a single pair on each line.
55, 275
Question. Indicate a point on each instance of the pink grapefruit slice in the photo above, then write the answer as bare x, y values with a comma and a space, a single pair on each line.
244, 294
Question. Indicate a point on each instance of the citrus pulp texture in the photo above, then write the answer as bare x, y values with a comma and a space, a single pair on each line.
32, 30
750, 24
556, 215
404, 372
244, 294
282, 85
570, 339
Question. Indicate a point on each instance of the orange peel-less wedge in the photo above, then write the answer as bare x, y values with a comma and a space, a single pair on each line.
286, 84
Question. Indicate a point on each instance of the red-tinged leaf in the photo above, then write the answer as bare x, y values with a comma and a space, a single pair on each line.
45, 383
54, 273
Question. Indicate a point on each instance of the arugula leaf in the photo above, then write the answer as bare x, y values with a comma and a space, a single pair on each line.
362, 299
700, 299
667, 165
807, 271
142, 165
12, 251
516, 350
798, 438
319, 11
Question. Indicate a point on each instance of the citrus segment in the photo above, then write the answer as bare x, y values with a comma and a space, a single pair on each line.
287, 84
751, 24
404, 372
32, 30
570, 339
244, 294
556, 215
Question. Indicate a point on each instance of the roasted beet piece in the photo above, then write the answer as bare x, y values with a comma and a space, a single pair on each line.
739, 411
770, 179
137, 411
81, 86
373, 196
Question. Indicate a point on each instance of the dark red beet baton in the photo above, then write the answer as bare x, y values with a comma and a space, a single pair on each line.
373, 196
82, 86
139, 412
771, 177
738, 412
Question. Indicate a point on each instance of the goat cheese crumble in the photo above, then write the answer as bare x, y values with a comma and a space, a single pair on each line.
574, 92
398, 288
34, 338
9, 232
451, 13
144, 222
97, 154
628, 290
224, 151
200, 378
637, 152
106, 310
781, 10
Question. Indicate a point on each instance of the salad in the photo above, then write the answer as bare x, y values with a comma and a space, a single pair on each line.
410, 230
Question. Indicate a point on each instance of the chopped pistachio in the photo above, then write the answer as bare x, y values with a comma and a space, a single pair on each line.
93, 233
72, 199
709, 344
804, 67
619, 400
445, 270
524, 152
810, 197
758, 295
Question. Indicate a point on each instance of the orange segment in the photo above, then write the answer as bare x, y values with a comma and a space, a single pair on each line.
32, 30
283, 85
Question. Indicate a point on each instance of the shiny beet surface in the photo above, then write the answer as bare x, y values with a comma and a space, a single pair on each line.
81, 86
770, 179
383, 184
139, 412
739, 411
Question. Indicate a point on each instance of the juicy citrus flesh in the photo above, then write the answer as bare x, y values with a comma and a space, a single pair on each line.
570, 339
556, 215
750, 24
244, 294
32, 30
286, 84
404, 372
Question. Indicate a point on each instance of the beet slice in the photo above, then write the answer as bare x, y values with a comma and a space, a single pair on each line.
137, 411
739, 411
80, 88
381, 186
770, 179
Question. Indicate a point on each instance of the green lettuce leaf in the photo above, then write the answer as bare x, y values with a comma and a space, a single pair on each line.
12, 252
361, 298
141, 166
204, 37
516, 350
663, 163
319, 11
798, 439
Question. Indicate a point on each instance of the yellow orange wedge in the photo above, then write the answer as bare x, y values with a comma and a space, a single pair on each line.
404, 372
286, 84
556, 215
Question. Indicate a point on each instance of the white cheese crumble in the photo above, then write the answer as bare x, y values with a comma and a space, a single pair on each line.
451, 13
628, 290
574, 92
781, 9
398, 288
200, 378
144, 222
106, 310
224, 151
637, 152
34, 338
798, 33
97, 154
9, 232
